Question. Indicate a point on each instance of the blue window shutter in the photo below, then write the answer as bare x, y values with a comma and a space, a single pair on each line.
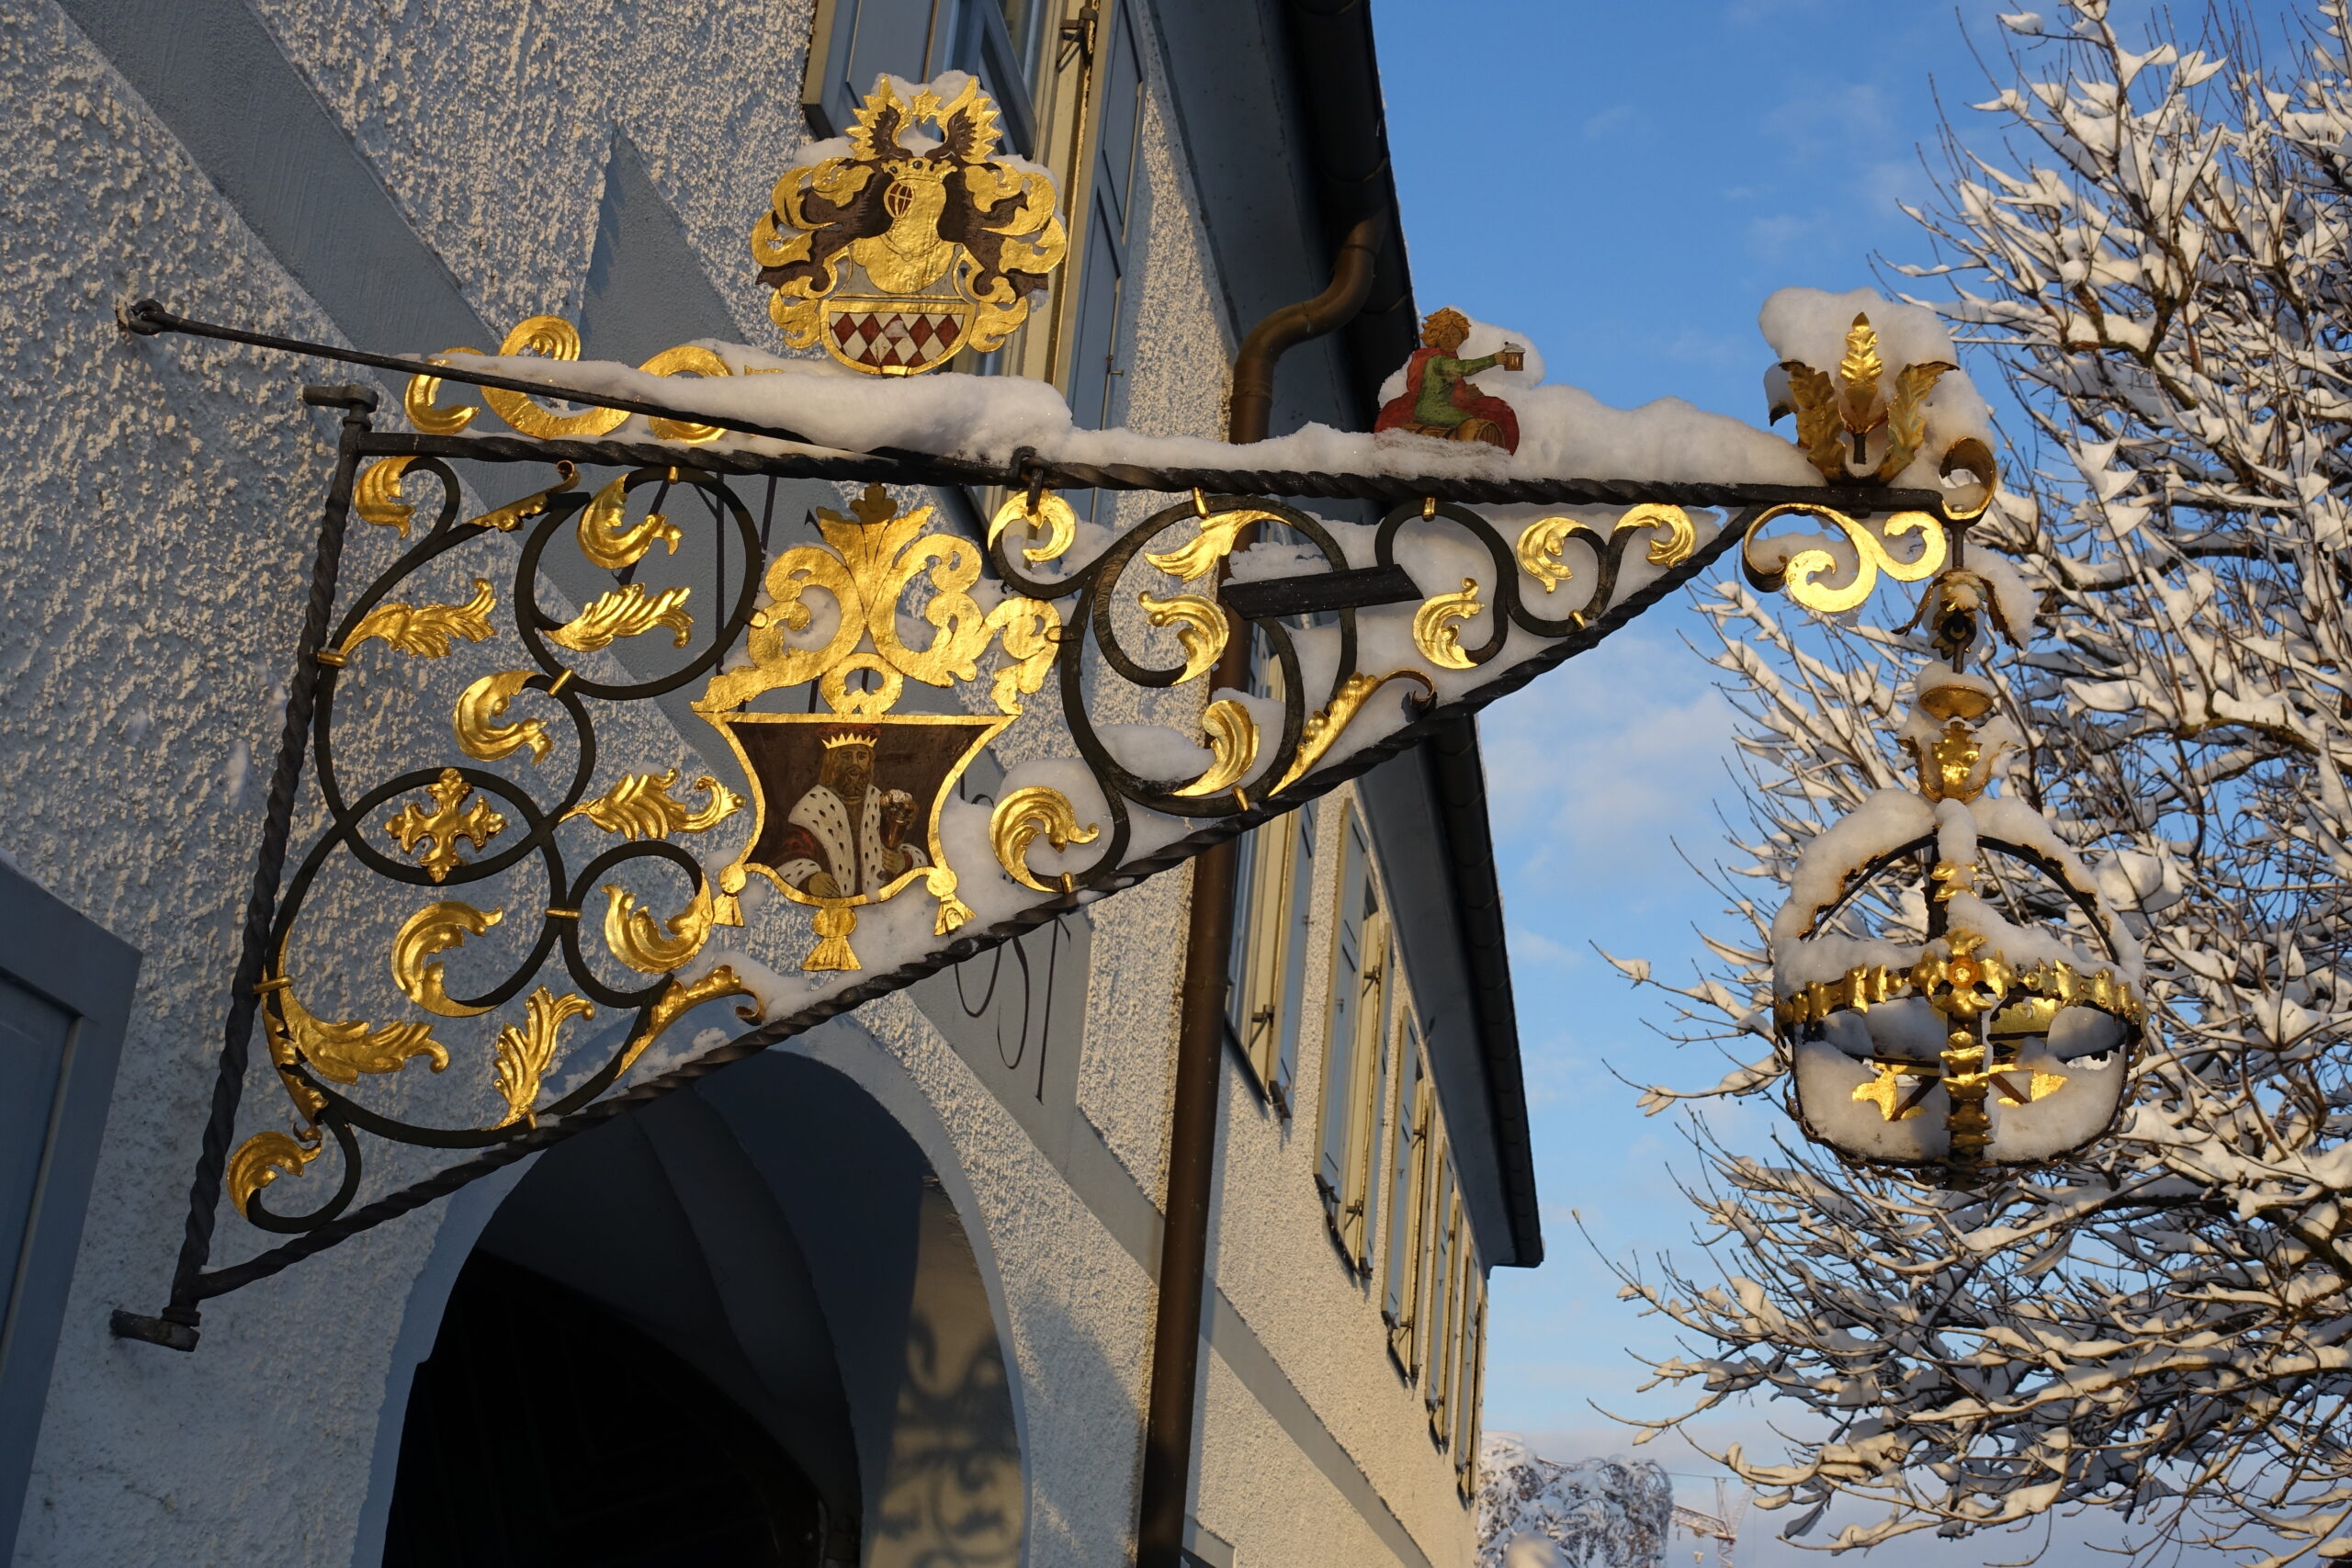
863, 40
65, 990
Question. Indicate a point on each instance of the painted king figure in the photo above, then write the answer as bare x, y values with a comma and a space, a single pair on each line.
1439, 398
845, 837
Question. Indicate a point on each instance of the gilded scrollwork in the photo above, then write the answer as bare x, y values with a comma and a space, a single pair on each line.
1233, 744
631, 611
526, 1051
1800, 573
1324, 725
636, 941
641, 806
610, 540
855, 677
436, 929
262, 1159
376, 495
478, 720
339, 1051
553, 338
427, 631
1437, 626
1025, 814
1200, 629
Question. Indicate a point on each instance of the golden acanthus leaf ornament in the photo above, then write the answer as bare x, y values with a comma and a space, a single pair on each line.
626, 612
526, 1051
1025, 814
478, 719
434, 930
641, 806
427, 631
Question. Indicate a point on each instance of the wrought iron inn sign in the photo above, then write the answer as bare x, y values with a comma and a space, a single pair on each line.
476, 757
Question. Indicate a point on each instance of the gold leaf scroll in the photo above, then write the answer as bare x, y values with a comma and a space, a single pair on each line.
626, 612
1233, 741
429, 631
1541, 543
552, 337
262, 1158
482, 706
1024, 814
608, 539
377, 495
1323, 726
515, 513
1437, 626
1800, 576
681, 998
1199, 628
525, 1052
1032, 631
1053, 515
636, 942
641, 806
435, 928
1196, 557
340, 1052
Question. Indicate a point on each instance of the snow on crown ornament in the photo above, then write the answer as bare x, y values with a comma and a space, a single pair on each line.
2005, 1037
900, 249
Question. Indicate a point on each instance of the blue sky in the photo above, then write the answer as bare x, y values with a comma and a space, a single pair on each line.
1622, 185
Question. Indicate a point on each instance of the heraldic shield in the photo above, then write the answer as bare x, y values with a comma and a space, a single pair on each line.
848, 799
897, 256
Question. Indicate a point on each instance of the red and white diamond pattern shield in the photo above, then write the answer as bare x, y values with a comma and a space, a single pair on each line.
897, 340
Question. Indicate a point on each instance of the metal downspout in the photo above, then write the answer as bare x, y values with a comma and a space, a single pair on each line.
1191, 1152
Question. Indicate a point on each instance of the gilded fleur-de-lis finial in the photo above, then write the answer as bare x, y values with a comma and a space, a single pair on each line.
1837, 419
441, 827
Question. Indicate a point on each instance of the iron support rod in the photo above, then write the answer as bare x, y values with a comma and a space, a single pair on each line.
176, 1326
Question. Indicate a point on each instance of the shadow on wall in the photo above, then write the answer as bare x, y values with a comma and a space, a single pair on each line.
775, 1235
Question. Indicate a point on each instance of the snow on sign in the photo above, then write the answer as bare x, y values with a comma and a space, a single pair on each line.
598, 774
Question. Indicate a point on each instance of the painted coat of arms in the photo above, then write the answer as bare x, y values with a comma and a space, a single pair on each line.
849, 798
913, 247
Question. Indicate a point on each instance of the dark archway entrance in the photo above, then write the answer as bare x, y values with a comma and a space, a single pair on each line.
545, 1432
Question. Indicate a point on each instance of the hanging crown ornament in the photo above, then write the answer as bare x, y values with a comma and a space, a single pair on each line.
2006, 1036
911, 248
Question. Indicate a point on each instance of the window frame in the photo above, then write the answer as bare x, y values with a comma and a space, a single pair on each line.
1409, 1176
1343, 986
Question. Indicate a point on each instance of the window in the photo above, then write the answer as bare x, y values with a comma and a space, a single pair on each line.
1276, 881
854, 42
996, 40
1473, 1377
1445, 1230
64, 1002
1354, 1024
1408, 1175
1099, 243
